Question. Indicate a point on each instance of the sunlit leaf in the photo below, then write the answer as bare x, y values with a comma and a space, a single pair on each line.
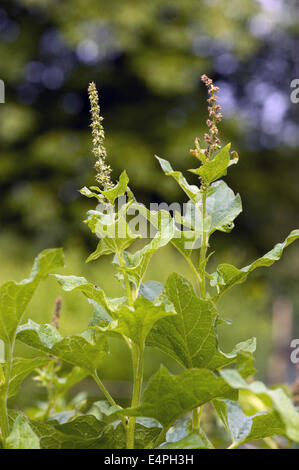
22, 435
192, 191
190, 336
137, 321
215, 168
228, 275
15, 296
276, 399
91, 291
243, 428
167, 397
86, 350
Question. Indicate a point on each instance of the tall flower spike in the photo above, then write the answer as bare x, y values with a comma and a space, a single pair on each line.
103, 170
215, 116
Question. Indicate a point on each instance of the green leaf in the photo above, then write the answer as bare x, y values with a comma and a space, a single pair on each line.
112, 229
114, 436
192, 191
86, 350
190, 336
136, 322
222, 207
186, 241
137, 263
228, 275
276, 399
15, 296
21, 368
87, 432
118, 190
181, 436
83, 432
86, 192
151, 290
22, 436
191, 441
111, 194
217, 167
167, 397
92, 292
243, 428
84, 427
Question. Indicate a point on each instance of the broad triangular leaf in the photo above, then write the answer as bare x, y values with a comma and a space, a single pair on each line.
243, 428
192, 191
228, 275
15, 296
86, 350
113, 230
191, 441
151, 290
83, 432
136, 322
217, 167
190, 336
110, 194
167, 397
22, 435
114, 436
222, 207
276, 398
181, 436
137, 263
91, 291
118, 190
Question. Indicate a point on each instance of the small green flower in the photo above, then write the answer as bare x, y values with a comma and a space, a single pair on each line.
103, 170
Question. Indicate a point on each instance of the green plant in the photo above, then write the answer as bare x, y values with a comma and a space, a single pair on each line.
179, 319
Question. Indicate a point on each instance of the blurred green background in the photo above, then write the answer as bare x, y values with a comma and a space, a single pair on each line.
147, 59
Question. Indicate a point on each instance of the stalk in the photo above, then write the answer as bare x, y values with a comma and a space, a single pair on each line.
104, 389
137, 353
203, 248
126, 280
4, 423
3, 417
137, 357
202, 286
196, 419
234, 445
107, 394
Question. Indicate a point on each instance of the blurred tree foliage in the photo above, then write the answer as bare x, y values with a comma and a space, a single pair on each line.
147, 59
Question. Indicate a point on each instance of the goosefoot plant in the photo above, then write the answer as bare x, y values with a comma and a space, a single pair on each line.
178, 318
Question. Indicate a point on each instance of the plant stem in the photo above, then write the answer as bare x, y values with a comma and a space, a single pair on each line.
234, 445
203, 248
4, 424
161, 438
126, 279
137, 358
3, 418
196, 414
104, 389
